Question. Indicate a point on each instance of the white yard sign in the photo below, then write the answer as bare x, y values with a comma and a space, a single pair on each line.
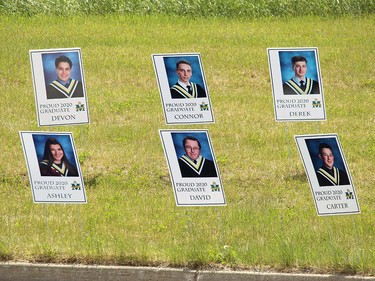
296, 84
192, 167
325, 165
54, 171
183, 90
59, 87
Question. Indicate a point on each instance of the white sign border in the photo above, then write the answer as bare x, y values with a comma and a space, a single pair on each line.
39, 88
32, 160
275, 76
174, 172
311, 173
164, 90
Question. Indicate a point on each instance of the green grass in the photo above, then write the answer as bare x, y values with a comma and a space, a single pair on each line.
131, 218
191, 8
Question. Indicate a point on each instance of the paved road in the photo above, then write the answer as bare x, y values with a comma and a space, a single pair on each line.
49, 272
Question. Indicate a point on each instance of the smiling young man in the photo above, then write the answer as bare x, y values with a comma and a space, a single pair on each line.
184, 88
192, 163
328, 174
64, 86
300, 84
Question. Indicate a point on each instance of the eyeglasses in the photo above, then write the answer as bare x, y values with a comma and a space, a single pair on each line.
195, 148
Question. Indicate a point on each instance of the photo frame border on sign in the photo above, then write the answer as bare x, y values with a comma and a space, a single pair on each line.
182, 111
188, 191
65, 141
57, 111
328, 199
33, 143
295, 108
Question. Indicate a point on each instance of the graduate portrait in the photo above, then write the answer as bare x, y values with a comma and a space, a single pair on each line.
299, 72
55, 155
194, 154
328, 163
185, 77
63, 75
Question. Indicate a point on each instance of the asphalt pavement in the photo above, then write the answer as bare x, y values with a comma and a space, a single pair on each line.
54, 272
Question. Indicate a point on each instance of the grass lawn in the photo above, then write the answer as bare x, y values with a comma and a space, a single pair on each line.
270, 221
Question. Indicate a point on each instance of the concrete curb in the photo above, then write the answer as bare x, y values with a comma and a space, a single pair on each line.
47, 272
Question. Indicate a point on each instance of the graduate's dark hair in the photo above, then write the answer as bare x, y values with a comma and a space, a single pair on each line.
63, 59
193, 139
182, 62
298, 58
324, 145
47, 156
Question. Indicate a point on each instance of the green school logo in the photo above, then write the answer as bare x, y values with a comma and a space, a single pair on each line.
215, 187
76, 186
316, 103
349, 194
80, 107
203, 106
